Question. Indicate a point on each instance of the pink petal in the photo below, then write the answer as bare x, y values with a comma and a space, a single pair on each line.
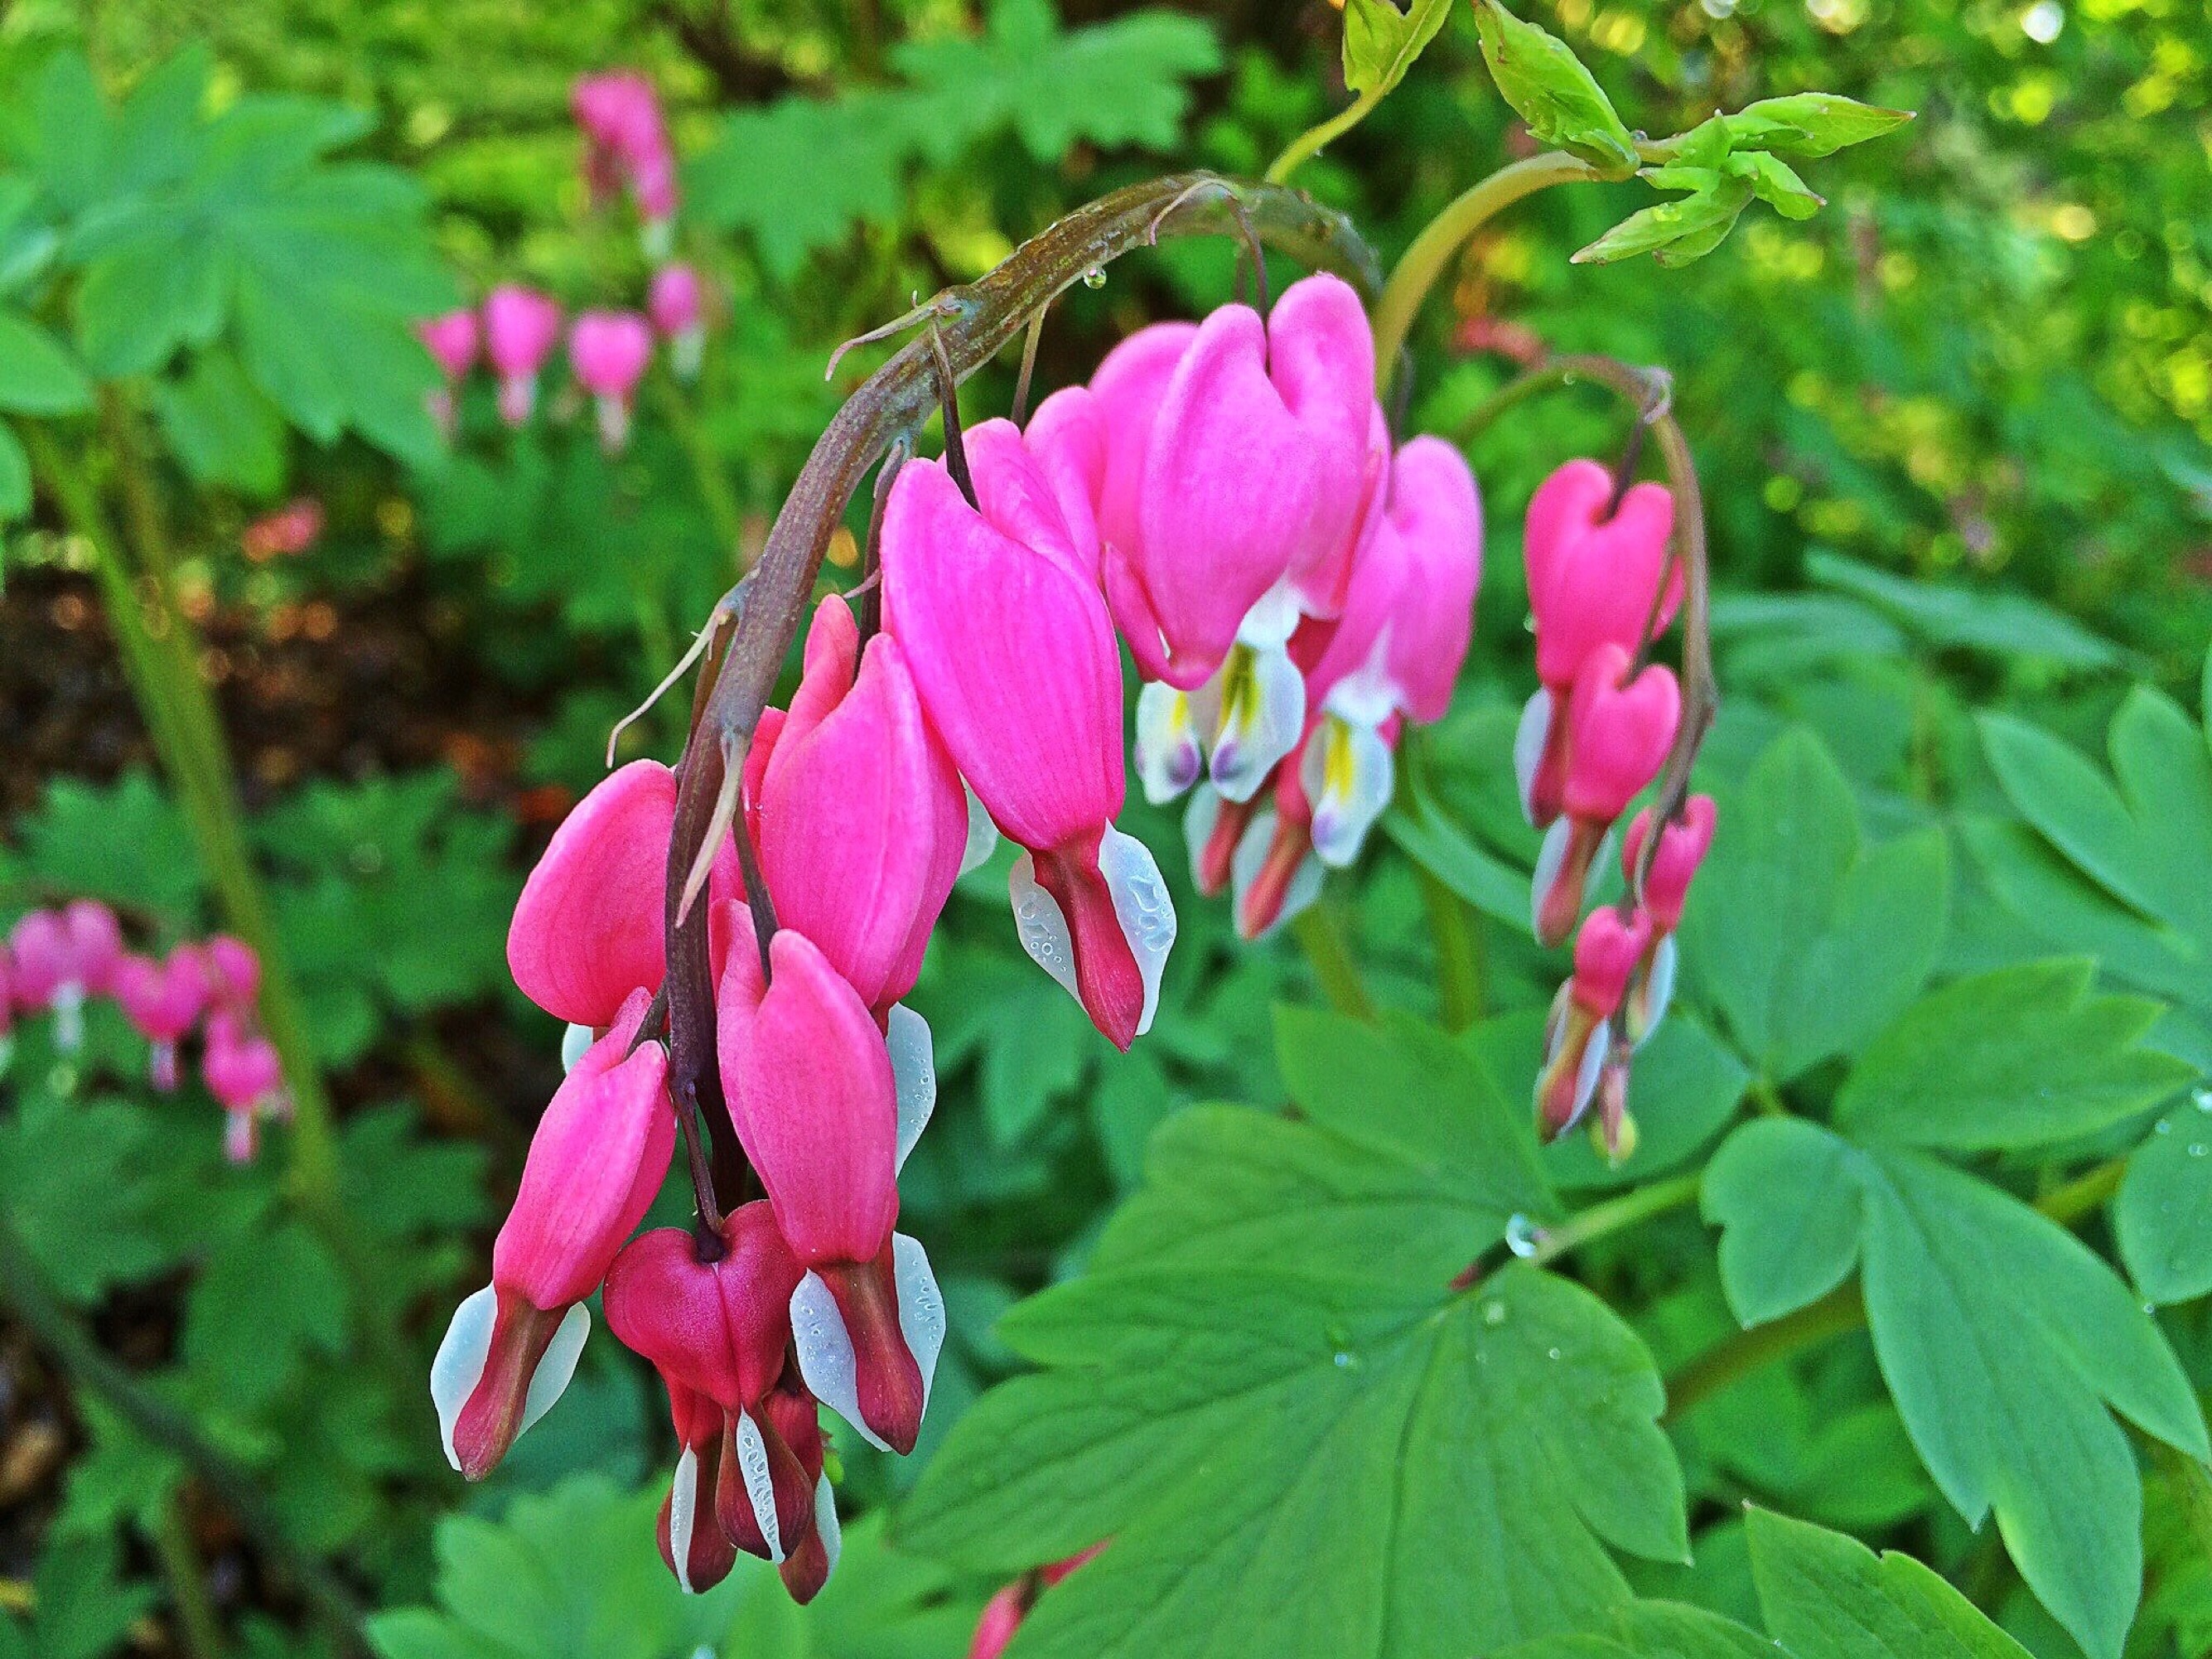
1321, 356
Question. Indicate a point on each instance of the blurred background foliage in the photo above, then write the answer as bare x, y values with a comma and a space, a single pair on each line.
1955, 436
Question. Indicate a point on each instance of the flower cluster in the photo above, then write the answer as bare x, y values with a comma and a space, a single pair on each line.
53, 960
1602, 585
626, 144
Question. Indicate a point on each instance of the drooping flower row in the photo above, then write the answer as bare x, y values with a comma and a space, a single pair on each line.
1602, 587
517, 328
1226, 498
54, 961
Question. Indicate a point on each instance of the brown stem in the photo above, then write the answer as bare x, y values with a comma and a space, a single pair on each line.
970, 324
871, 588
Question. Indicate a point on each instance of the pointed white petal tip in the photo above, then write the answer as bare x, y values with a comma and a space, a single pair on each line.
460, 1363
1168, 754
1198, 821
1143, 907
825, 1354
1260, 721
1658, 989
1549, 861
1528, 740
920, 1308
1041, 926
760, 1484
683, 1516
557, 1365
1348, 773
1273, 618
982, 835
825, 1522
914, 1070
576, 1042
1592, 1067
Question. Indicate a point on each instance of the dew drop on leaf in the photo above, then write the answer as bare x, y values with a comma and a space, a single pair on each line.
1520, 1236
1493, 1313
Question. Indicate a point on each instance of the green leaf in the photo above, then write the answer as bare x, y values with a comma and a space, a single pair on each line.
2019, 1057
84, 1607
220, 426
1320, 1466
2003, 1339
14, 476
124, 842
2163, 1216
2001, 624
37, 374
1683, 229
1776, 184
801, 174
73, 1185
1423, 832
1807, 943
1827, 1597
1540, 75
1810, 124
1381, 42
264, 1301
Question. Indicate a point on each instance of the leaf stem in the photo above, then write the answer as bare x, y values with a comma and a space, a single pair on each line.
2085, 1194
65, 1339
180, 1564
1311, 142
1457, 931
1321, 936
1421, 265
1616, 1214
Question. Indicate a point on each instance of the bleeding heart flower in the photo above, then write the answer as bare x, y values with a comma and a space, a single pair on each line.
1013, 656
1619, 729
1682, 847
61, 957
521, 326
1577, 1037
598, 1156
452, 340
609, 351
673, 302
1595, 570
163, 1000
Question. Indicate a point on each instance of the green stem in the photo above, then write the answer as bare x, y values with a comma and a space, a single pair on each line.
1616, 1214
1311, 142
1432, 250
2084, 1195
1321, 935
2193, 1488
715, 491
180, 1564
160, 656
1458, 934
65, 1339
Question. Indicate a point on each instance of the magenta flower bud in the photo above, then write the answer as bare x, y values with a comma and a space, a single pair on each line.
673, 301
162, 1001
1013, 658
599, 1154
521, 326
1212, 827
609, 351
7, 1005
45, 961
452, 340
806, 1566
653, 183
619, 112
1682, 848
812, 1093
241, 1070
1578, 1037
1002, 1616
95, 942
862, 822
234, 973
1593, 579
1619, 733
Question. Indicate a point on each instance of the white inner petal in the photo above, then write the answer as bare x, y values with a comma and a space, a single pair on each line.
1529, 738
1658, 990
1251, 852
760, 1484
460, 1363
1167, 755
550, 1380
1273, 619
1549, 861
1143, 907
1593, 1064
914, 1069
1198, 821
825, 1354
1350, 802
920, 1308
825, 1520
1261, 718
576, 1042
1041, 926
1304, 889
982, 835
1369, 695
682, 1514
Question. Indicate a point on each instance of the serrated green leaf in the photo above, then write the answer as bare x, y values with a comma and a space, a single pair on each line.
801, 174
2163, 1215
1651, 1629
2022, 1056
73, 1185
1827, 1597
1807, 943
1381, 41
1540, 75
38, 376
1810, 124
2003, 1339
1319, 1467
264, 1301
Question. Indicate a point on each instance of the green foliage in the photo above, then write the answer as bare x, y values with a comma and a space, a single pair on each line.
1381, 42
1827, 1596
1549, 88
1988, 1319
82, 1607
